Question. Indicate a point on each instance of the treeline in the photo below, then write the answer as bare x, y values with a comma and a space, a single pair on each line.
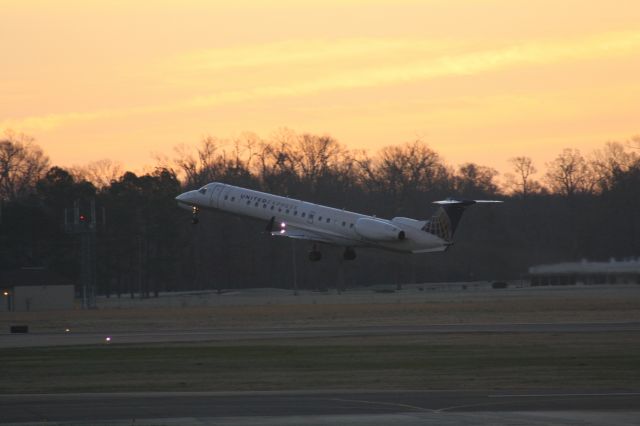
579, 207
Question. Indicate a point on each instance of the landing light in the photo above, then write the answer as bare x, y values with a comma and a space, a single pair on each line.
108, 339
6, 293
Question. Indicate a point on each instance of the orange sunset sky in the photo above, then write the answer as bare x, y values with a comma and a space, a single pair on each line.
479, 81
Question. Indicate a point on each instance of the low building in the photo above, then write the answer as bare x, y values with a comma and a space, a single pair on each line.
585, 272
35, 289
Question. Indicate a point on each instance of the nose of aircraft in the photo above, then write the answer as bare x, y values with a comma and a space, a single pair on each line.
184, 199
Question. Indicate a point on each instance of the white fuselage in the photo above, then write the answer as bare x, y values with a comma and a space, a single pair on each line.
314, 222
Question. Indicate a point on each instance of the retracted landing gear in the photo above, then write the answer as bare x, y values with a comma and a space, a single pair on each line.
194, 216
349, 254
314, 254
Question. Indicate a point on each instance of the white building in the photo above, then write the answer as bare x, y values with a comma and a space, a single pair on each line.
34, 289
584, 272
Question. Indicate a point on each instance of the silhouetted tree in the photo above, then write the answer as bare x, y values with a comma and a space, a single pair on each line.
407, 173
100, 173
610, 162
315, 157
475, 181
149, 244
570, 174
22, 163
621, 213
57, 192
521, 181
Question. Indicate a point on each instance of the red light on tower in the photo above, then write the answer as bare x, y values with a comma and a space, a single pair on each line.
82, 218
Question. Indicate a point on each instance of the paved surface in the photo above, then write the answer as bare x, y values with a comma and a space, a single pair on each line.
69, 339
326, 407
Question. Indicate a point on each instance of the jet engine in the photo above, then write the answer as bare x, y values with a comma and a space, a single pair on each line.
378, 230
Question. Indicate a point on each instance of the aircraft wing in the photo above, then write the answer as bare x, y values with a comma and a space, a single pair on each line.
286, 230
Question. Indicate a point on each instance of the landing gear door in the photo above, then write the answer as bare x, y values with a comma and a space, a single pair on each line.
215, 195
310, 217
224, 195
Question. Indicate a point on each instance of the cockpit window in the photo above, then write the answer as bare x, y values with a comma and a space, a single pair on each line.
202, 190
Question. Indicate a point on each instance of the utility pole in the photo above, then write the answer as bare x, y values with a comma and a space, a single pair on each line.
295, 269
85, 226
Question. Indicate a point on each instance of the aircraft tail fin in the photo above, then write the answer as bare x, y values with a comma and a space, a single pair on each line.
445, 220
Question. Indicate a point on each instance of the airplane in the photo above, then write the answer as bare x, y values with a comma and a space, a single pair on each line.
288, 217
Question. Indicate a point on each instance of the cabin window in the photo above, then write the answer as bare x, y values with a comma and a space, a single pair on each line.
328, 220
264, 206
303, 214
295, 212
344, 223
226, 197
351, 225
248, 202
233, 199
310, 216
279, 209
273, 207
287, 212
256, 204
320, 218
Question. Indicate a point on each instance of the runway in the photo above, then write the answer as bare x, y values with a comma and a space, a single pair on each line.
222, 335
325, 407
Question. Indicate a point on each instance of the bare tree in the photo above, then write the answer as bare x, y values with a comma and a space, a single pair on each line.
569, 174
209, 162
316, 155
100, 173
22, 163
410, 167
276, 165
473, 180
245, 150
203, 166
364, 169
521, 181
609, 162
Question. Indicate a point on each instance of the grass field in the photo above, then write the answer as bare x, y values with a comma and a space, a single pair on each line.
502, 306
466, 361
434, 361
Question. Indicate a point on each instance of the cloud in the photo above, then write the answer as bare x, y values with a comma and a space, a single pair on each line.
299, 52
350, 64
